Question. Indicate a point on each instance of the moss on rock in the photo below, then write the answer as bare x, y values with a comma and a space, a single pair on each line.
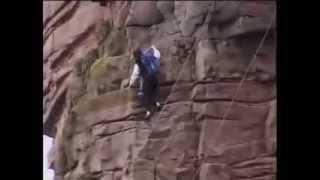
107, 73
115, 44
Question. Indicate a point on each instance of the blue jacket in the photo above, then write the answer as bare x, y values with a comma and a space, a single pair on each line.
136, 73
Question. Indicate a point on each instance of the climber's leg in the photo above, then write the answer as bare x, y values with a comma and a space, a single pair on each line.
140, 93
157, 100
147, 88
151, 93
155, 93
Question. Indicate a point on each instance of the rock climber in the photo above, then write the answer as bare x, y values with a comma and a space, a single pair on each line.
146, 69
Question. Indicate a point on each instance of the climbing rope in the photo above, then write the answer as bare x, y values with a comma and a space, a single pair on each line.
52, 45
238, 88
183, 65
196, 173
240, 83
206, 22
244, 76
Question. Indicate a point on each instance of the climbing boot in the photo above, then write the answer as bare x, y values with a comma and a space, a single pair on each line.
158, 105
148, 113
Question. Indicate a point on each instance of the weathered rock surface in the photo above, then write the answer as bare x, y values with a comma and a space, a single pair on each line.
206, 49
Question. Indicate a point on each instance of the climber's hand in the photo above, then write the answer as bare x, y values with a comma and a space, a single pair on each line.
130, 84
124, 83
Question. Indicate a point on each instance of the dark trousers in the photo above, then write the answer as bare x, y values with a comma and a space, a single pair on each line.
150, 89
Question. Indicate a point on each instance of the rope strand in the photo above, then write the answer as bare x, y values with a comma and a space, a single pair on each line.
183, 65
238, 87
244, 77
240, 84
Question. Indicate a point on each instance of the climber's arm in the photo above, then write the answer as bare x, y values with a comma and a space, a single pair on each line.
134, 75
156, 52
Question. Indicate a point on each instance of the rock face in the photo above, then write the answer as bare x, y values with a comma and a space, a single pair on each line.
219, 120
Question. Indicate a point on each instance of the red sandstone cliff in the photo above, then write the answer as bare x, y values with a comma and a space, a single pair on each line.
200, 134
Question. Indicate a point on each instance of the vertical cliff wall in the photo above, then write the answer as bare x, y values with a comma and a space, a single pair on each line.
218, 83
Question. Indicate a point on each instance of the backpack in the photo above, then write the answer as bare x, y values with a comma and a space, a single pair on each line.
150, 63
